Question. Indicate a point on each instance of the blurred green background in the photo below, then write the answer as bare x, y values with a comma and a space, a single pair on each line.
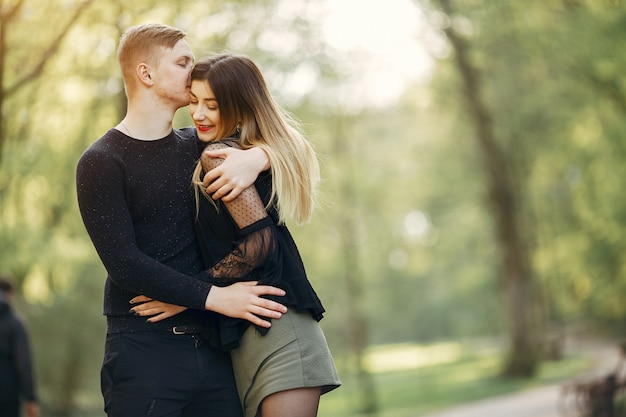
471, 153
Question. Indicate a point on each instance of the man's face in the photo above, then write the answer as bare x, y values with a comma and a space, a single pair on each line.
171, 75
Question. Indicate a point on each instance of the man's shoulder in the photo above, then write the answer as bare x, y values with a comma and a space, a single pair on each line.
104, 142
107, 147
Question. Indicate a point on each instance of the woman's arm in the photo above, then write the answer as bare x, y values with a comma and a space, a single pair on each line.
239, 171
248, 212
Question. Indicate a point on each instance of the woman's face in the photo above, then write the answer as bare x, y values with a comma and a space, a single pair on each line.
205, 111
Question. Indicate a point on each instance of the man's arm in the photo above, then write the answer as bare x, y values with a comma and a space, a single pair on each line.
104, 207
238, 171
241, 300
102, 201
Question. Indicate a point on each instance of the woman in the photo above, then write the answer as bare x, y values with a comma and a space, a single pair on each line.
283, 370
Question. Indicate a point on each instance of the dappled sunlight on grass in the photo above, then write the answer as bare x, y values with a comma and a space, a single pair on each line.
480, 368
410, 356
412, 379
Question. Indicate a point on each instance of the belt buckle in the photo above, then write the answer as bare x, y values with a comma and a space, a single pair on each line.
176, 331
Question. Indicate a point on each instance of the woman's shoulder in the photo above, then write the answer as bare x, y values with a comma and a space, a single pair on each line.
232, 142
187, 133
225, 143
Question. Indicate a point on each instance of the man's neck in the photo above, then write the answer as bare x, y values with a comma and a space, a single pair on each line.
145, 122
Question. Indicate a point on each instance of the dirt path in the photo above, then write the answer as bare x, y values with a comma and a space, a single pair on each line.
538, 402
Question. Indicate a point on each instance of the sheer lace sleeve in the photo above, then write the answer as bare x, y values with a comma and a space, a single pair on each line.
258, 240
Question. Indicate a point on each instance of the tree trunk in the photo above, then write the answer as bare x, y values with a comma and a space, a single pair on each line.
517, 273
356, 323
7, 15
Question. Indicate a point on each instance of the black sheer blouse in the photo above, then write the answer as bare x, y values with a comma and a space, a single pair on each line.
243, 242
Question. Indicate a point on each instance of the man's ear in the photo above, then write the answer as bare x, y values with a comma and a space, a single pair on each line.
143, 73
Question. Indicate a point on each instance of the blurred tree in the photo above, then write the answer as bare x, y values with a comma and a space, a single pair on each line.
503, 201
402, 248
13, 75
552, 84
351, 253
576, 201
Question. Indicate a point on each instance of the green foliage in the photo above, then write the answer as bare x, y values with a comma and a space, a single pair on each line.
406, 178
463, 378
68, 343
554, 83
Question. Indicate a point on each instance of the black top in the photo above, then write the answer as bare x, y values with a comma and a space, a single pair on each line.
137, 203
16, 376
261, 251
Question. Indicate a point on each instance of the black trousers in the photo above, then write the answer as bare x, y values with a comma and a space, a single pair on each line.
161, 374
10, 409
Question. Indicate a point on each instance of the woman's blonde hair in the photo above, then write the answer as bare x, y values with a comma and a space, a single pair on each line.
248, 110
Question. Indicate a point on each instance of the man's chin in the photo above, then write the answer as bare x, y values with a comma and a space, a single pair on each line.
182, 101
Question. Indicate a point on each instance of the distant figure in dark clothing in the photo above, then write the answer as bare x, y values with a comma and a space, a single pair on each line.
16, 376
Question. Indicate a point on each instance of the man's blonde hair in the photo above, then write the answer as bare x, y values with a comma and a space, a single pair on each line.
141, 43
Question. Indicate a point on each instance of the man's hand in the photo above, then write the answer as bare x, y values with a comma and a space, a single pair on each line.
157, 309
238, 171
242, 300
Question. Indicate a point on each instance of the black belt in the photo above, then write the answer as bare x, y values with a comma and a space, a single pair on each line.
186, 329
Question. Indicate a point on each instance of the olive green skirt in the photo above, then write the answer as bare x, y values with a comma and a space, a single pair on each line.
294, 354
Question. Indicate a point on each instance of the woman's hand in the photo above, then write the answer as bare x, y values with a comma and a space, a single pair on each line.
238, 171
243, 300
157, 309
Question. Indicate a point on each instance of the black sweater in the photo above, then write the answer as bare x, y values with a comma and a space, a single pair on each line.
136, 201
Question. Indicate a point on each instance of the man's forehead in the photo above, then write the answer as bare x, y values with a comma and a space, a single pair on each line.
180, 50
183, 48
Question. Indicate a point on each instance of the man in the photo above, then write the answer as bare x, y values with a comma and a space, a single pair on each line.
134, 194
16, 376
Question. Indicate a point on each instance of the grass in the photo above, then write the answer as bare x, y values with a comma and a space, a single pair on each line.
412, 380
